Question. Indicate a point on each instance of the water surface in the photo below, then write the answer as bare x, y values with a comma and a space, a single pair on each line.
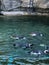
23, 26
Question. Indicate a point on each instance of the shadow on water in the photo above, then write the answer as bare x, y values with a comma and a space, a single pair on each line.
33, 19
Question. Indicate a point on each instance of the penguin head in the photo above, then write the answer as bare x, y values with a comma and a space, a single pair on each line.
14, 45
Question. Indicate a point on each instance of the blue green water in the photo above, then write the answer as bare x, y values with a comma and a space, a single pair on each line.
23, 26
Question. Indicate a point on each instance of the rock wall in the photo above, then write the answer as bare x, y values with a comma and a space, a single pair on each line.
38, 3
12, 4
41, 3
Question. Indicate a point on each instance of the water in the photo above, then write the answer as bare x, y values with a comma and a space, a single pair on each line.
23, 26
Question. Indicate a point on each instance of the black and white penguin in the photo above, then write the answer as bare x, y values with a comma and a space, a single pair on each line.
34, 34
35, 53
23, 45
46, 51
18, 37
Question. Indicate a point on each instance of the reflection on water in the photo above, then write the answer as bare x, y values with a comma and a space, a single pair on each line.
28, 34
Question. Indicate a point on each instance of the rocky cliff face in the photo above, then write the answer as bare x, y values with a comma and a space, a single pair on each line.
41, 3
38, 3
11, 4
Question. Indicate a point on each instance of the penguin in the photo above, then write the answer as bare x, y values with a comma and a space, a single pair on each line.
34, 34
46, 51
18, 37
23, 45
35, 53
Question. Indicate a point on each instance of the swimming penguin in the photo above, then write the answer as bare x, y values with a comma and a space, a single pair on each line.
34, 34
35, 53
29, 45
46, 51
18, 37
23, 45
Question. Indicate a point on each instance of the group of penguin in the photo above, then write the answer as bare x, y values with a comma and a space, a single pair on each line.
27, 45
35, 52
